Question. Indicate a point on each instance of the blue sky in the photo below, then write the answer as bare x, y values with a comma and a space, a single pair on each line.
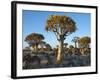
34, 21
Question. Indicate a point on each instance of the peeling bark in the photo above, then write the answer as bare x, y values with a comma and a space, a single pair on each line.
60, 52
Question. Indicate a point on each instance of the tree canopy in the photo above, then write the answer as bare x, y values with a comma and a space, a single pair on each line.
84, 41
34, 38
60, 25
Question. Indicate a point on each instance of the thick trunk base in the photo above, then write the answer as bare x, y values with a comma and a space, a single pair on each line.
59, 58
59, 53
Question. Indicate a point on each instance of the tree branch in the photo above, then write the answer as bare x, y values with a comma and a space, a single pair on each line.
57, 35
55, 30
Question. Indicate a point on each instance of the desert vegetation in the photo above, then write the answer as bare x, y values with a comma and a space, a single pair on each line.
40, 54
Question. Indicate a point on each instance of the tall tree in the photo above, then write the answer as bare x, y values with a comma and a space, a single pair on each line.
62, 26
34, 39
42, 44
65, 45
48, 47
84, 42
75, 40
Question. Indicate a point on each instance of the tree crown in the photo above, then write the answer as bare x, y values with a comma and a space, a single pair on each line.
34, 38
62, 25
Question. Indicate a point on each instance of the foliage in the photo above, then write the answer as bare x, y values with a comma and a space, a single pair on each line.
84, 41
34, 38
60, 25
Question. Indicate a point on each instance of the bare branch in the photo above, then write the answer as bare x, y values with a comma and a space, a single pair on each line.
57, 35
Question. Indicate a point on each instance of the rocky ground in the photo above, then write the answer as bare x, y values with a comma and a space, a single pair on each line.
44, 60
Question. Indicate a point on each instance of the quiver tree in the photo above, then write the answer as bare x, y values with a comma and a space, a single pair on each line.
75, 40
42, 44
34, 39
84, 42
65, 45
62, 26
71, 47
48, 47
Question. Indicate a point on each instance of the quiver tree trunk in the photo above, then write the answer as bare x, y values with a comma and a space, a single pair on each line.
75, 45
36, 48
42, 48
60, 52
